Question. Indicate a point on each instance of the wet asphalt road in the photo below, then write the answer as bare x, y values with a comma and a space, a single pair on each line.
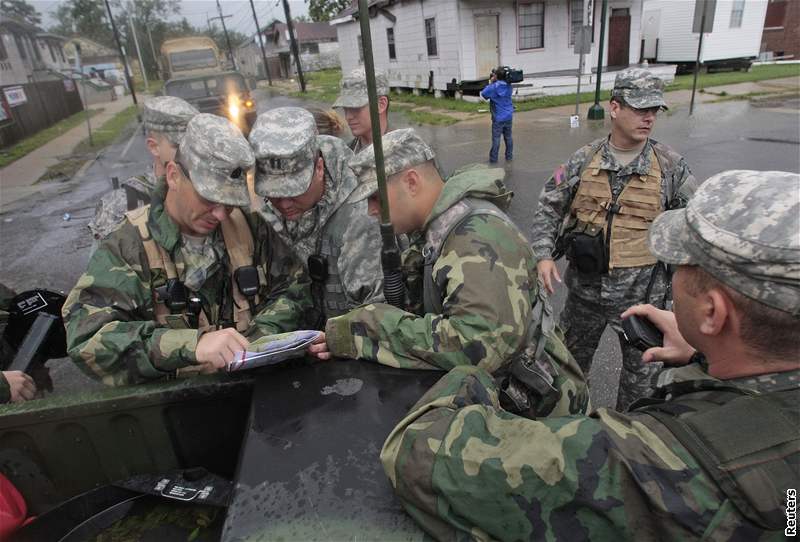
40, 248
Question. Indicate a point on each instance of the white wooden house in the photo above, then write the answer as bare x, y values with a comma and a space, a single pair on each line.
667, 31
426, 44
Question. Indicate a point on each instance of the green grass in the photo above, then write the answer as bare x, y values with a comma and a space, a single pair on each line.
757, 73
322, 86
108, 132
426, 117
29, 144
154, 85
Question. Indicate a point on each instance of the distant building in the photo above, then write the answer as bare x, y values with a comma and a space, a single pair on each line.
432, 44
27, 53
667, 32
781, 37
317, 43
94, 59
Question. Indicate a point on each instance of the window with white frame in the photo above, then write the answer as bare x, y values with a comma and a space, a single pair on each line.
737, 13
530, 25
390, 42
575, 19
430, 36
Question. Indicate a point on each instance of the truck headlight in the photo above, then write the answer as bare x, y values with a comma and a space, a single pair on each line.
233, 107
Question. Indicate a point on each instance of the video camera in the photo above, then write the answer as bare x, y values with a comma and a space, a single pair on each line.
507, 74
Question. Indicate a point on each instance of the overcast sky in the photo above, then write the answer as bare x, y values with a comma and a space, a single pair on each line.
196, 12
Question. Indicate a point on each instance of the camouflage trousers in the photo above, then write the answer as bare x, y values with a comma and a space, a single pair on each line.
583, 323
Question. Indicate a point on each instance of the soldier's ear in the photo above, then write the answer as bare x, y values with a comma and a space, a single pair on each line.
152, 145
173, 175
412, 182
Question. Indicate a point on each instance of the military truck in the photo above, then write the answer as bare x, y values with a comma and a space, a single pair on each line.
226, 94
184, 57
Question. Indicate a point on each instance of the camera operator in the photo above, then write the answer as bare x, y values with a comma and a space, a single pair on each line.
498, 94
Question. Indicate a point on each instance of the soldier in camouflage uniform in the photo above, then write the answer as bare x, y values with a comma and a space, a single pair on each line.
305, 181
636, 178
165, 119
354, 100
181, 283
480, 294
711, 456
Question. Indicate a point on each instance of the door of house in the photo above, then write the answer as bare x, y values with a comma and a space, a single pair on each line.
487, 45
619, 37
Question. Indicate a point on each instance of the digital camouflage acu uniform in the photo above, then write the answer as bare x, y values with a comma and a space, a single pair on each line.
597, 300
112, 315
483, 291
166, 115
353, 94
705, 459
336, 240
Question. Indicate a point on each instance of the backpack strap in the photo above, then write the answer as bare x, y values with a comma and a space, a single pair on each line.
240, 247
746, 442
436, 236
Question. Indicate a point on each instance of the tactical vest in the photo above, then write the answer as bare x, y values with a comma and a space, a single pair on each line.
240, 248
747, 442
629, 217
530, 381
334, 300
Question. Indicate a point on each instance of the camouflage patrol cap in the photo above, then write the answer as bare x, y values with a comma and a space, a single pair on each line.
353, 91
216, 157
284, 141
402, 149
743, 228
639, 88
168, 115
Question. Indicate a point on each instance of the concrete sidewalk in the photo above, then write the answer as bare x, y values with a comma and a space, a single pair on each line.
17, 178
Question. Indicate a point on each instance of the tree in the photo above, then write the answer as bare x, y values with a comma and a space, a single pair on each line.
301, 19
325, 10
21, 10
84, 18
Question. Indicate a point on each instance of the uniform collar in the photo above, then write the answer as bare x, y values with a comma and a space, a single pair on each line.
164, 230
639, 165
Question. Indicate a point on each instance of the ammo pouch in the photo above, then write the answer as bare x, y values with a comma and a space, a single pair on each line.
586, 249
527, 387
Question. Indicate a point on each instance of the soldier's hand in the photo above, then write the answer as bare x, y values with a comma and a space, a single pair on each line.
319, 348
548, 274
216, 349
22, 386
675, 351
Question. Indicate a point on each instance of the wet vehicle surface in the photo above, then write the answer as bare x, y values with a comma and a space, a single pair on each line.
286, 452
225, 94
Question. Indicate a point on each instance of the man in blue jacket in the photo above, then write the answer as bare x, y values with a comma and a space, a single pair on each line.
498, 93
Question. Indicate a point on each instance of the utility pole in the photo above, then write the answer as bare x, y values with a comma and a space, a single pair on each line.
295, 51
138, 52
261, 43
227, 39
124, 62
82, 92
596, 112
153, 50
